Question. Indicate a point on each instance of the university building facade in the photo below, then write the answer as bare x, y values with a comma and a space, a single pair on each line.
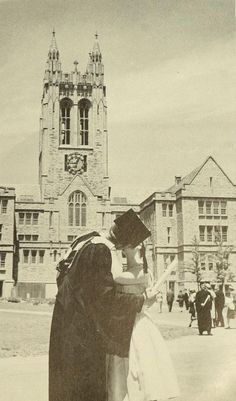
201, 206
38, 222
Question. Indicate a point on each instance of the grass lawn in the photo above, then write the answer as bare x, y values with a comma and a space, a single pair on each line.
28, 334
23, 335
28, 306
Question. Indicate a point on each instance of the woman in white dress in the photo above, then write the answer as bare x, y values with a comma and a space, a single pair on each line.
148, 374
230, 304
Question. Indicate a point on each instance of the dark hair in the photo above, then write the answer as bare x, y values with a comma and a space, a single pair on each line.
143, 254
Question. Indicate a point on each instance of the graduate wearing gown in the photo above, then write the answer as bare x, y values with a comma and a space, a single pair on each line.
90, 319
203, 306
147, 374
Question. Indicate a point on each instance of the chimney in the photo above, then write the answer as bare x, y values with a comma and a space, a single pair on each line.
178, 179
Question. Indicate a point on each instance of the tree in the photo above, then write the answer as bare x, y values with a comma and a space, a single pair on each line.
195, 265
222, 265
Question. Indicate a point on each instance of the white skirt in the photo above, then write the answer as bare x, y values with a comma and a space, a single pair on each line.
148, 373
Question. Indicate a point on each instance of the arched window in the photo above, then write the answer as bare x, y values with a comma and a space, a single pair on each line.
77, 208
65, 109
84, 106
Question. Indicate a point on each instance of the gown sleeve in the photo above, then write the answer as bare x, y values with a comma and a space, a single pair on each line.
114, 313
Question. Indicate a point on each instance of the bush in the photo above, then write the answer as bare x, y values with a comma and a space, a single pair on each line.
14, 299
51, 301
36, 302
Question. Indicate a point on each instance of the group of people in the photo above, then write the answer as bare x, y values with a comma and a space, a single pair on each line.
182, 299
210, 304
207, 304
104, 344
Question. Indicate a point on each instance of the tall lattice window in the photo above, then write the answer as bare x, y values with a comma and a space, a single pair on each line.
4, 206
84, 106
25, 255
65, 111
2, 259
41, 255
202, 233
77, 209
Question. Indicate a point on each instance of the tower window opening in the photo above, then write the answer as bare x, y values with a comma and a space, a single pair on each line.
65, 111
84, 106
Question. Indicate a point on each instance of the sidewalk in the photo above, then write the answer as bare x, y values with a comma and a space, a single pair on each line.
24, 379
205, 365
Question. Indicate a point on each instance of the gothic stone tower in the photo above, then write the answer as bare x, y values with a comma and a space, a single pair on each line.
73, 127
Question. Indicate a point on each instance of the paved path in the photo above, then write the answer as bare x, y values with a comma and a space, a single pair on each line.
23, 379
205, 366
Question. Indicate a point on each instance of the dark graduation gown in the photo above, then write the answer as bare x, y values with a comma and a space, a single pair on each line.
203, 312
89, 320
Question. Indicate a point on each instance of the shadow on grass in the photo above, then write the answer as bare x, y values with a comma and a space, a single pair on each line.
169, 332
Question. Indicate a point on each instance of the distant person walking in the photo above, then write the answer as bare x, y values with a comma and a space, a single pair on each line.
192, 309
229, 302
219, 306
170, 299
180, 300
186, 299
159, 299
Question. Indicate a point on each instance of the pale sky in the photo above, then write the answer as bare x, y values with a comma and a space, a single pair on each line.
170, 72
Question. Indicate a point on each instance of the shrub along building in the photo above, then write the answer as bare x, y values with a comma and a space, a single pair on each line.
37, 222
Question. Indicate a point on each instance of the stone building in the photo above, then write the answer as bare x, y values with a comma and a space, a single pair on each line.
73, 195
38, 222
8, 252
201, 205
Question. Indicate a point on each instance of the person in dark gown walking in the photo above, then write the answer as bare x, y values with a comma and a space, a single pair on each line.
180, 300
203, 304
186, 299
170, 299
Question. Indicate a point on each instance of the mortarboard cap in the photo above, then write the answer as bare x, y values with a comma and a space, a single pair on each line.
130, 229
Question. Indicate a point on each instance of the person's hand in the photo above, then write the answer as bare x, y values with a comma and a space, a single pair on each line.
149, 302
150, 296
151, 292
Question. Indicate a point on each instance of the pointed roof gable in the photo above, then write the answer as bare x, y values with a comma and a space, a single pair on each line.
188, 179
84, 182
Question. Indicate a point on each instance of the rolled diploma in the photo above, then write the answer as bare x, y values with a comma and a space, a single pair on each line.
171, 267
